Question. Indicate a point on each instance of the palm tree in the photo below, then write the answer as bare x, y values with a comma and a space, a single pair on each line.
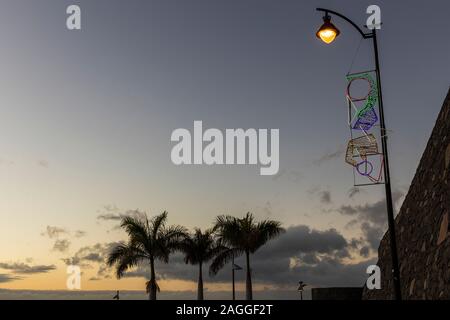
242, 236
198, 249
148, 241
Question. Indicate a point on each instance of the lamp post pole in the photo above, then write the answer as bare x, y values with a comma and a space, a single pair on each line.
301, 286
234, 267
387, 179
232, 272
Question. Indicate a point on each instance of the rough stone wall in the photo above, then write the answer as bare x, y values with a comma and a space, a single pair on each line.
422, 225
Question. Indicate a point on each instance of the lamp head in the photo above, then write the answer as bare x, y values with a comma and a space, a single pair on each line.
328, 31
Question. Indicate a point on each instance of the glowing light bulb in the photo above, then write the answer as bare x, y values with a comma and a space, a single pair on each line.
327, 36
327, 32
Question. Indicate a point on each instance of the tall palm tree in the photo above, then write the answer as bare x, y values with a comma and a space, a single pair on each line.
199, 248
242, 236
148, 241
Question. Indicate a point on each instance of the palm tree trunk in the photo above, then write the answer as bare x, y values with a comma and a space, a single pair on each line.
200, 283
152, 280
248, 284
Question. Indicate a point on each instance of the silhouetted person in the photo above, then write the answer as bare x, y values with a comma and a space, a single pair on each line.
117, 297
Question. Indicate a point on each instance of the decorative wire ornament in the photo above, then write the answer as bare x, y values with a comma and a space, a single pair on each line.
366, 116
361, 147
362, 151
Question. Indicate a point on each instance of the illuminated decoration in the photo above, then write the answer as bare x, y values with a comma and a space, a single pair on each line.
361, 147
366, 120
359, 151
362, 150
366, 115
368, 168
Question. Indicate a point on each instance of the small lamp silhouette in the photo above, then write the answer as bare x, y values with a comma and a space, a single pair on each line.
301, 286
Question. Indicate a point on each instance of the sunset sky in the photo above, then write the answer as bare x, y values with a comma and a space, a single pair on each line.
86, 118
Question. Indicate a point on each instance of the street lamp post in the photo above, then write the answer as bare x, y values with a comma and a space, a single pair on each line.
232, 280
234, 267
301, 287
328, 32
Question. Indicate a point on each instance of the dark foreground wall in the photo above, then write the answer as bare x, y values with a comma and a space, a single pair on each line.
336, 293
422, 225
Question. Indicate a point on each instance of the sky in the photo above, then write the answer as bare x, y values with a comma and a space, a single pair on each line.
86, 118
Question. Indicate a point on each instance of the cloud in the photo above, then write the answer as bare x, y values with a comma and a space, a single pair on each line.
103, 272
348, 210
110, 208
43, 163
355, 243
94, 257
364, 252
54, 232
79, 233
318, 257
371, 217
372, 234
111, 214
303, 239
120, 216
23, 268
266, 210
329, 156
370, 212
61, 245
334, 274
293, 176
8, 278
96, 254
325, 197
354, 191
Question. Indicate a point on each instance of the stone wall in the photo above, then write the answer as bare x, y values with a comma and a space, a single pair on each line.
422, 225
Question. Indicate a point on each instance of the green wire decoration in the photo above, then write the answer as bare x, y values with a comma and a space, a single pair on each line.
372, 96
